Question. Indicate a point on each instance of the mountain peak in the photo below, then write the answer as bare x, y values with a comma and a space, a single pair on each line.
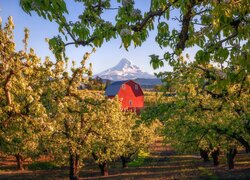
124, 60
124, 70
123, 63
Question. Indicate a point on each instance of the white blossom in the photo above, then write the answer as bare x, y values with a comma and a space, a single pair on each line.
136, 13
29, 88
125, 32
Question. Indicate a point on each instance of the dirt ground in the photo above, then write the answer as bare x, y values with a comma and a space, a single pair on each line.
162, 163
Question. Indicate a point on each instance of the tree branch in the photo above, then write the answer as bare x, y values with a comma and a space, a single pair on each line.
233, 135
183, 36
7, 87
151, 14
83, 43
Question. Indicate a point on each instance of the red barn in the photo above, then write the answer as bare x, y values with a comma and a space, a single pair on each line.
129, 92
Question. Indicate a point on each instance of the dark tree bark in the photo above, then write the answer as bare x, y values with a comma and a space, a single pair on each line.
230, 157
19, 161
204, 155
243, 141
125, 161
235, 136
74, 167
104, 168
215, 155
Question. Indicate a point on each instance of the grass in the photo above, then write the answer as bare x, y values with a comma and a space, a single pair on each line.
208, 173
139, 161
42, 166
161, 163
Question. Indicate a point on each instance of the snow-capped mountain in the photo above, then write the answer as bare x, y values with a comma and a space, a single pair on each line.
124, 70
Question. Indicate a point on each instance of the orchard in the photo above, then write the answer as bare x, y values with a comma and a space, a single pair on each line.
206, 43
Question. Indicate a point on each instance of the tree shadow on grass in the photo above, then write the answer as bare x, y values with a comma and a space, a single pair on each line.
163, 163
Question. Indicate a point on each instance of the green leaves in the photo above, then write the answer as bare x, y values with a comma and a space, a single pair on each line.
48, 9
202, 57
205, 112
215, 28
212, 90
81, 31
163, 34
221, 55
57, 46
156, 62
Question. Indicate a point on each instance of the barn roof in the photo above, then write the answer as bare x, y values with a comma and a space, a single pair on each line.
113, 89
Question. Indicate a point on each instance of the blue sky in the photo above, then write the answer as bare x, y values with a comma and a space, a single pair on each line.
105, 57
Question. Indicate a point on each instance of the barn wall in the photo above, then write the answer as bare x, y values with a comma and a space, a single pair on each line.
130, 93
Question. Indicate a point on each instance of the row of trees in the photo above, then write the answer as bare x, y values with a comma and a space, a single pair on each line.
43, 113
205, 115
211, 108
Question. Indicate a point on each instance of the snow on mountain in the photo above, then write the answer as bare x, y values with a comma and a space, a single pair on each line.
124, 70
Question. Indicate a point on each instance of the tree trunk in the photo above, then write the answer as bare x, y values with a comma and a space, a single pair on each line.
215, 155
104, 168
74, 167
244, 142
124, 161
230, 157
19, 161
204, 155
235, 136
